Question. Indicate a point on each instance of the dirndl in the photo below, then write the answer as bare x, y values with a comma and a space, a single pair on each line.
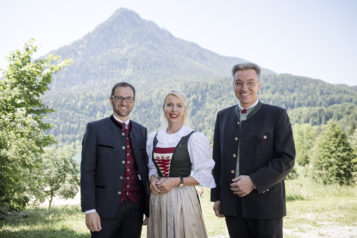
176, 214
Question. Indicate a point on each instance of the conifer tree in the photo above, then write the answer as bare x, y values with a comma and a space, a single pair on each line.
334, 159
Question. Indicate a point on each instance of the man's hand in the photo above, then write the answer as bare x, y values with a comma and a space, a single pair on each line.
93, 221
242, 185
145, 221
217, 208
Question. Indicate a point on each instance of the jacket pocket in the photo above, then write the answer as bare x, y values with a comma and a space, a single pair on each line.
264, 135
106, 146
99, 186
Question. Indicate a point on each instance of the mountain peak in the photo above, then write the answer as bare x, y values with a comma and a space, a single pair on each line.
122, 21
124, 15
126, 45
125, 12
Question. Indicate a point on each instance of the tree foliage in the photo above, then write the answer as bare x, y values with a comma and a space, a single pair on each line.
353, 140
334, 159
304, 136
22, 126
58, 176
88, 102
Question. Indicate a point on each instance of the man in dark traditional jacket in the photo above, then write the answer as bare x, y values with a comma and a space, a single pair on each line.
114, 174
254, 151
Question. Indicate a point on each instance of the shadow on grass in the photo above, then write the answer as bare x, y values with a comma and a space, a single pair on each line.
39, 223
64, 233
294, 197
39, 216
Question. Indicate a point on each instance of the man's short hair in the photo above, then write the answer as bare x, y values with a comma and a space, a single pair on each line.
244, 66
122, 84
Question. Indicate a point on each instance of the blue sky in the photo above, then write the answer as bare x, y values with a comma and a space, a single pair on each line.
314, 38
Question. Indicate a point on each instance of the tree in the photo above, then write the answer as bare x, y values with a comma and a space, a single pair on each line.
353, 140
334, 159
22, 129
59, 174
304, 137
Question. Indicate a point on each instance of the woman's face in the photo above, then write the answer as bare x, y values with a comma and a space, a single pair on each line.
174, 109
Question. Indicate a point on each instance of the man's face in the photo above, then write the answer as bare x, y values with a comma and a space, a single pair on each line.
246, 87
122, 108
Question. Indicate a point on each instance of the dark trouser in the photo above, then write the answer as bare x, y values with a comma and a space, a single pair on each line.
126, 224
239, 227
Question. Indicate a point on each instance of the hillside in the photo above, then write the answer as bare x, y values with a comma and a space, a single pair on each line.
307, 100
128, 48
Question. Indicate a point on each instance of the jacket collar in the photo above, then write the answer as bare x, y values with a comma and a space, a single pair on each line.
251, 113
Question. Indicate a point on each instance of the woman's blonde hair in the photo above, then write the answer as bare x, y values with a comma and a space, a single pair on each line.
179, 94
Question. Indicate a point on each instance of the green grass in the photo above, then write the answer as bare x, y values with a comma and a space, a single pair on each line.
314, 210
321, 210
62, 222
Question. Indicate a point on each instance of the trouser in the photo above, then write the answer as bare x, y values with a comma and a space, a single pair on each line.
126, 224
239, 227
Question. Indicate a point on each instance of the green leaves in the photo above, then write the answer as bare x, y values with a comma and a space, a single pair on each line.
22, 129
58, 175
304, 137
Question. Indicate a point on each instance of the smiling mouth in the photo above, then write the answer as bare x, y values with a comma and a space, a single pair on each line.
173, 116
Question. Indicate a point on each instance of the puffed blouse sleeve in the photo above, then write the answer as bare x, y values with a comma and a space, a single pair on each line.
149, 146
199, 149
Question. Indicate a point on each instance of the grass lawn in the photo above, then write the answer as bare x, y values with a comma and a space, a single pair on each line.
313, 211
320, 211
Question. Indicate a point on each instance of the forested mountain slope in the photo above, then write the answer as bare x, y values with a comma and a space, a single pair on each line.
128, 48
307, 100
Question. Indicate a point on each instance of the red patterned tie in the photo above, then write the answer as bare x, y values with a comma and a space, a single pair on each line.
244, 111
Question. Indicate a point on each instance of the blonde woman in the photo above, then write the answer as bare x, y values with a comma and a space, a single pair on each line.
179, 159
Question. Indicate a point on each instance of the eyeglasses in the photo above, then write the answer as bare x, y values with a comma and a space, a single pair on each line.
121, 99
240, 84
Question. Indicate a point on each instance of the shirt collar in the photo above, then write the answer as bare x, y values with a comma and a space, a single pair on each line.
117, 119
250, 107
185, 130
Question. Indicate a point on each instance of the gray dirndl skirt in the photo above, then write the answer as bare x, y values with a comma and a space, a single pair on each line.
176, 214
